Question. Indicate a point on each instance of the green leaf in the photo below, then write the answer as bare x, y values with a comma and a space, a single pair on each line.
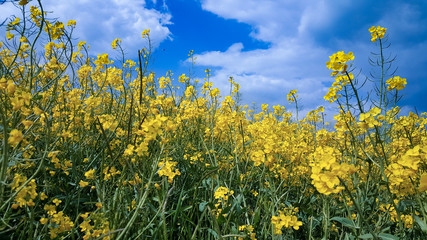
257, 216
202, 206
420, 222
247, 143
215, 234
345, 222
366, 236
387, 236
349, 236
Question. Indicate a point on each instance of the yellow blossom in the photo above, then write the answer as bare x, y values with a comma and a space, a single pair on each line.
223, 193
377, 32
146, 33
71, 23
9, 35
56, 201
90, 174
114, 43
43, 220
15, 137
83, 183
397, 83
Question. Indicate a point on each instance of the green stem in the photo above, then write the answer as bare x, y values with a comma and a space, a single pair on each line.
142, 199
325, 211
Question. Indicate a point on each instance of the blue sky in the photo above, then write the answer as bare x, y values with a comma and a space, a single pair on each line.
269, 47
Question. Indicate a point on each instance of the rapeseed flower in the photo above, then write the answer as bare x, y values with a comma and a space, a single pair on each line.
285, 219
114, 43
167, 169
15, 137
223, 193
146, 33
377, 33
397, 83
83, 183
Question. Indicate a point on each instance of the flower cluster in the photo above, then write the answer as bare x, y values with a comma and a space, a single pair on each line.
397, 83
116, 42
58, 222
404, 169
15, 137
145, 33
407, 219
167, 168
286, 219
338, 64
221, 194
327, 171
377, 32
371, 119
94, 226
249, 230
291, 95
27, 194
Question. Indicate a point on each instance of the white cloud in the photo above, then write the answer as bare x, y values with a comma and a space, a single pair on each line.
99, 22
269, 74
295, 58
272, 20
291, 62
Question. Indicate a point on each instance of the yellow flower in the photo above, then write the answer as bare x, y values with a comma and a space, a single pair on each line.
90, 174
129, 150
84, 215
397, 83
183, 78
423, 183
102, 59
43, 220
83, 183
114, 43
71, 23
167, 169
15, 137
27, 123
9, 35
377, 32
291, 95
146, 33
15, 22
23, 39
56, 201
285, 220
223, 192
43, 196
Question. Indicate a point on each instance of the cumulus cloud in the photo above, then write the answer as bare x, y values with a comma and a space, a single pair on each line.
299, 46
291, 61
99, 22
268, 74
271, 20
